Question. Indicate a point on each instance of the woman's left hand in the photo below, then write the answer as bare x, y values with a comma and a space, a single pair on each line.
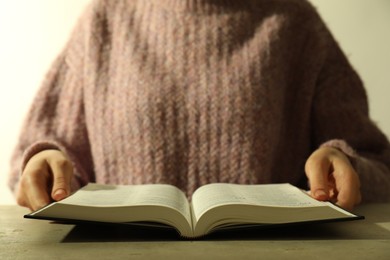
332, 177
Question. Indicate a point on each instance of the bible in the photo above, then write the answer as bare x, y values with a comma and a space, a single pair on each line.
212, 207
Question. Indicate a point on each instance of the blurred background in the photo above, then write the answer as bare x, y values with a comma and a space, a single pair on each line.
33, 32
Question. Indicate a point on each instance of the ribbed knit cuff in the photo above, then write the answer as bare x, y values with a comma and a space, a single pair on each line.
342, 146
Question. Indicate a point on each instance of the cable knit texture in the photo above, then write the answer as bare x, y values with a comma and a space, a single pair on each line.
190, 92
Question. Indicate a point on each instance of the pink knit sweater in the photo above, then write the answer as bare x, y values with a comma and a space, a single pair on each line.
189, 92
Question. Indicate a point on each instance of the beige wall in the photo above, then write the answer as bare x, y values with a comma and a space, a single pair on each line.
32, 32
362, 28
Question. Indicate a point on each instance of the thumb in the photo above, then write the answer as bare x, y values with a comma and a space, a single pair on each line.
317, 171
62, 171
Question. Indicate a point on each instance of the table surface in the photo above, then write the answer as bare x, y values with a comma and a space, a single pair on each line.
39, 239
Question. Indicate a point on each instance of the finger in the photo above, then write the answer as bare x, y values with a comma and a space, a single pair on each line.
21, 198
33, 191
62, 172
38, 193
347, 184
317, 172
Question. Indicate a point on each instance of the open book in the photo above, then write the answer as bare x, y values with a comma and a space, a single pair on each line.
213, 206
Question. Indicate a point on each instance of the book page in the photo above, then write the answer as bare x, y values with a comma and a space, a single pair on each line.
96, 195
278, 195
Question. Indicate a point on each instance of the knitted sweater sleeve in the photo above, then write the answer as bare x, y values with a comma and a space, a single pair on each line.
341, 119
56, 119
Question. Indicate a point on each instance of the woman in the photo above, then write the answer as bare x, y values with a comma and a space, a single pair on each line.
189, 92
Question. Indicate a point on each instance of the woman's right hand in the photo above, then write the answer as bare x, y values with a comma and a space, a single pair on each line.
46, 178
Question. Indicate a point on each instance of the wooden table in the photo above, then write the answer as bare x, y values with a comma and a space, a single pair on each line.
37, 239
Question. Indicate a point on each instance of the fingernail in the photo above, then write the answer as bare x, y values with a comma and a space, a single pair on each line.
321, 195
59, 194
